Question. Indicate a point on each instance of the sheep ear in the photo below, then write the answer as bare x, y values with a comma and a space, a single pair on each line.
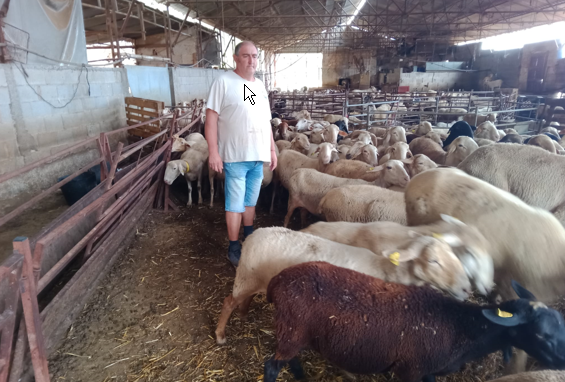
334, 150
409, 154
450, 239
408, 160
413, 250
503, 318
376, 169
522, 292
293, 140
307, 133
451, 220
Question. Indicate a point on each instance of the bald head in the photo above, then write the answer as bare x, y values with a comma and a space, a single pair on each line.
245, 58
244, 43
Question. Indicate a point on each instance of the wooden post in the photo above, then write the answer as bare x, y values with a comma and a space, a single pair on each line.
140, 8
31, 312
109, 27
115, 32
130, 9
167, 24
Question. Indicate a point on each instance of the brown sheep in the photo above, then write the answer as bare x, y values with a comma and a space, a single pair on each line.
365, 325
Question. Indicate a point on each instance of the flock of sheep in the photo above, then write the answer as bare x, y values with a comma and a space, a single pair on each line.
406, 219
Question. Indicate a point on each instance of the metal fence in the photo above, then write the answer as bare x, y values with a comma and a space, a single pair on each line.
88, 235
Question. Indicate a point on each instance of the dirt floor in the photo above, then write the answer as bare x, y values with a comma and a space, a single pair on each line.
153, 317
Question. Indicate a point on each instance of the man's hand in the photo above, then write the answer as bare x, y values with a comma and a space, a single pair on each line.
273, 161
215, 162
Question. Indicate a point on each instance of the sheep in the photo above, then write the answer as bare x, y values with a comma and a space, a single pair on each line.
190, 165
423, 128
514, 229
282, 132
542, 141
302, 114
357, 136
434, 137
398, 151
394, 134
304, 125
354, 169
484, 142
429, 148
270, 250
367, 325
487, 130
379, 132
417, 164
332, 118
512, 138
182, 144
488, 84
501, 134
330, 134
316, 136
534, 376
364, 153
510, 131
307, 187
468, 244
300, 144
290, 160
361, 203
460, 149
452, 110
275, 122
511, 168
283, 145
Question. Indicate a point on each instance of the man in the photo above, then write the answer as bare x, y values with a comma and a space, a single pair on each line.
240, 139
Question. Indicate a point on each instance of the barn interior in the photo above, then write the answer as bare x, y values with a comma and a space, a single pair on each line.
110, 273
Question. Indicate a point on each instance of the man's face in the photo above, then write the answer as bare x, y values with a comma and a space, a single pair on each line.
246, 61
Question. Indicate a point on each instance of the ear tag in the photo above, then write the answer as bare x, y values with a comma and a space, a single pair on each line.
371, 168
313, 154
437, 236
504, 314
187, 168
394, 258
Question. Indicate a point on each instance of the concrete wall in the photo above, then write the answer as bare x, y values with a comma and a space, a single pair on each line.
150, 82
184, 52
191, 83
504, 65
554, 79
31, 129
350, 64
418, 81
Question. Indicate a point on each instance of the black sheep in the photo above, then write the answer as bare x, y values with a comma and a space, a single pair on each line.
342, 126
459, 129
81, 185
365, 325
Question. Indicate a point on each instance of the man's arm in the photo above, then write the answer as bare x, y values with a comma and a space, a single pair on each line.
273, 153
211, 131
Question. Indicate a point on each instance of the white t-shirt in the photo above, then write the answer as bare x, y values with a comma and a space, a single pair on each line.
244, 128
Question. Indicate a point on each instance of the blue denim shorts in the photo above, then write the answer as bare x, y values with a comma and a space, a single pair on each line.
242, 185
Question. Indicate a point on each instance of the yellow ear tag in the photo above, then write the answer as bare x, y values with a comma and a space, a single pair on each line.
371, 169
394, 257
187, 168
504, 314
437, 236
313, 154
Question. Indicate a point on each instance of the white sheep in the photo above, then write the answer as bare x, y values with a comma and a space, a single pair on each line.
302, 114
357, 136
434, 136
423, 128
303, 125
182, 144
417, 164
527, 243
330, 134
364, 153
283, 145
290, 160
544, 142
466, 241
513, 168
459, 149
361, 203
534, 376
300, 143
487, 130
354, 169
484, 142
550, 130
429, 148
316, 136
394, 134
190, 165
270, 250
307, 187
332, 118
514, 230
398, 151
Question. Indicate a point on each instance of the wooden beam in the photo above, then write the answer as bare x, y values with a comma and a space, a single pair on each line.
123, 28
140, 7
